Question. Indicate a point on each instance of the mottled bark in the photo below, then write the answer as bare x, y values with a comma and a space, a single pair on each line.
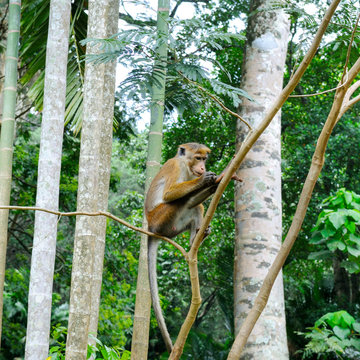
107, 101
52, 127
140, 339
7, 132
258, 198
94, 169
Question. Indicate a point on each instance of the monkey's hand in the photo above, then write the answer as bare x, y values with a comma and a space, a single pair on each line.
209, 178
234, 177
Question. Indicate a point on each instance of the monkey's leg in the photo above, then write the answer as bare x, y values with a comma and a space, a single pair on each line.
198, 213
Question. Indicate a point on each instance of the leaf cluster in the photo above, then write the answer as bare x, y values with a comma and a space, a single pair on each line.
333, 334
338, 228
136, 48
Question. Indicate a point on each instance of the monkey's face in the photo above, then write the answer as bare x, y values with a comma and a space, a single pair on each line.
197, 163
195, 156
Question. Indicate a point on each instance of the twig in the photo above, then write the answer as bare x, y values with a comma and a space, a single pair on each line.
319, 93
216, 100
350, 46
98, 213
342, 81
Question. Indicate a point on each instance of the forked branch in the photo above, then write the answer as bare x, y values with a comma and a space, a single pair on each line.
232, 167
313, 175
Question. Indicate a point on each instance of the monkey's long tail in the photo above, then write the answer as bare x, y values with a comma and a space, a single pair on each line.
153, 245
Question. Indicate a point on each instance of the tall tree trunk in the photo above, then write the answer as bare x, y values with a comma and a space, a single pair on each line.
258, 200
52, 129
94, 170
3, 36
140, 339
107, 101
8, 132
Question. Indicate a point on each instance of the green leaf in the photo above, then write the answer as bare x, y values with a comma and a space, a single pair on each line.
337, 219
355, 343
356, 326
351, 267
317, 238
335, 244
351, 226
320, 255
328, 231
355, 239
348, 197
353, 251
341, 332
339, 318
355, 214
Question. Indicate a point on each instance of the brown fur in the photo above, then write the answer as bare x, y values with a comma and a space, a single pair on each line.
173, 205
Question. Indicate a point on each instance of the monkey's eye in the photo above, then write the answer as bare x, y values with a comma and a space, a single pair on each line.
198, 158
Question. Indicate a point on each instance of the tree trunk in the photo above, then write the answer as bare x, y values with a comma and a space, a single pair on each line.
94, 172
7, 132
258, 199
3, 37
52, 128
140, 339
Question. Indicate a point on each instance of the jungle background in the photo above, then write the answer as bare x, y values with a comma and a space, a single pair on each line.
321, 275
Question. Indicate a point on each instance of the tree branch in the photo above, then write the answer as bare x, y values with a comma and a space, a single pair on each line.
98, 213
130, 20
179, 2
217, 100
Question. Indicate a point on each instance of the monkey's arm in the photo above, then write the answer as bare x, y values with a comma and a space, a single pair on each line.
176, 191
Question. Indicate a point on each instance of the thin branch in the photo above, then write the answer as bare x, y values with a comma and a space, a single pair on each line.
98, 213
348, 103
345, 66
179, 2
350, 46
318, 93
216, 100
23, 112
130, 20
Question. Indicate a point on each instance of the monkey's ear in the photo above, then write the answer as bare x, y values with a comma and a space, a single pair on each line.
181, 151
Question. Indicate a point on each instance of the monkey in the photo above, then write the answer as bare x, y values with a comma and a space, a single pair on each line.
173, 204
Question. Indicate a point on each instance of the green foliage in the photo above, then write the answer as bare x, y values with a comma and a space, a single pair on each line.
100, 351
137, 48
34, 28
338, 228
333, 335
15, 312
57, 343
96, 351
35, 16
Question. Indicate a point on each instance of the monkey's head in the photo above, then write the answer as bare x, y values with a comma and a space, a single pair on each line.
195, 156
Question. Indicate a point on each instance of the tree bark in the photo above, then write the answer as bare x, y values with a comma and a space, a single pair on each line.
8, 132
52, 128
140, 339
108, 87
258, 199
94, 169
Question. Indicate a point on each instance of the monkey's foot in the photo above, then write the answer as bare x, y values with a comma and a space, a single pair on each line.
207, 232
